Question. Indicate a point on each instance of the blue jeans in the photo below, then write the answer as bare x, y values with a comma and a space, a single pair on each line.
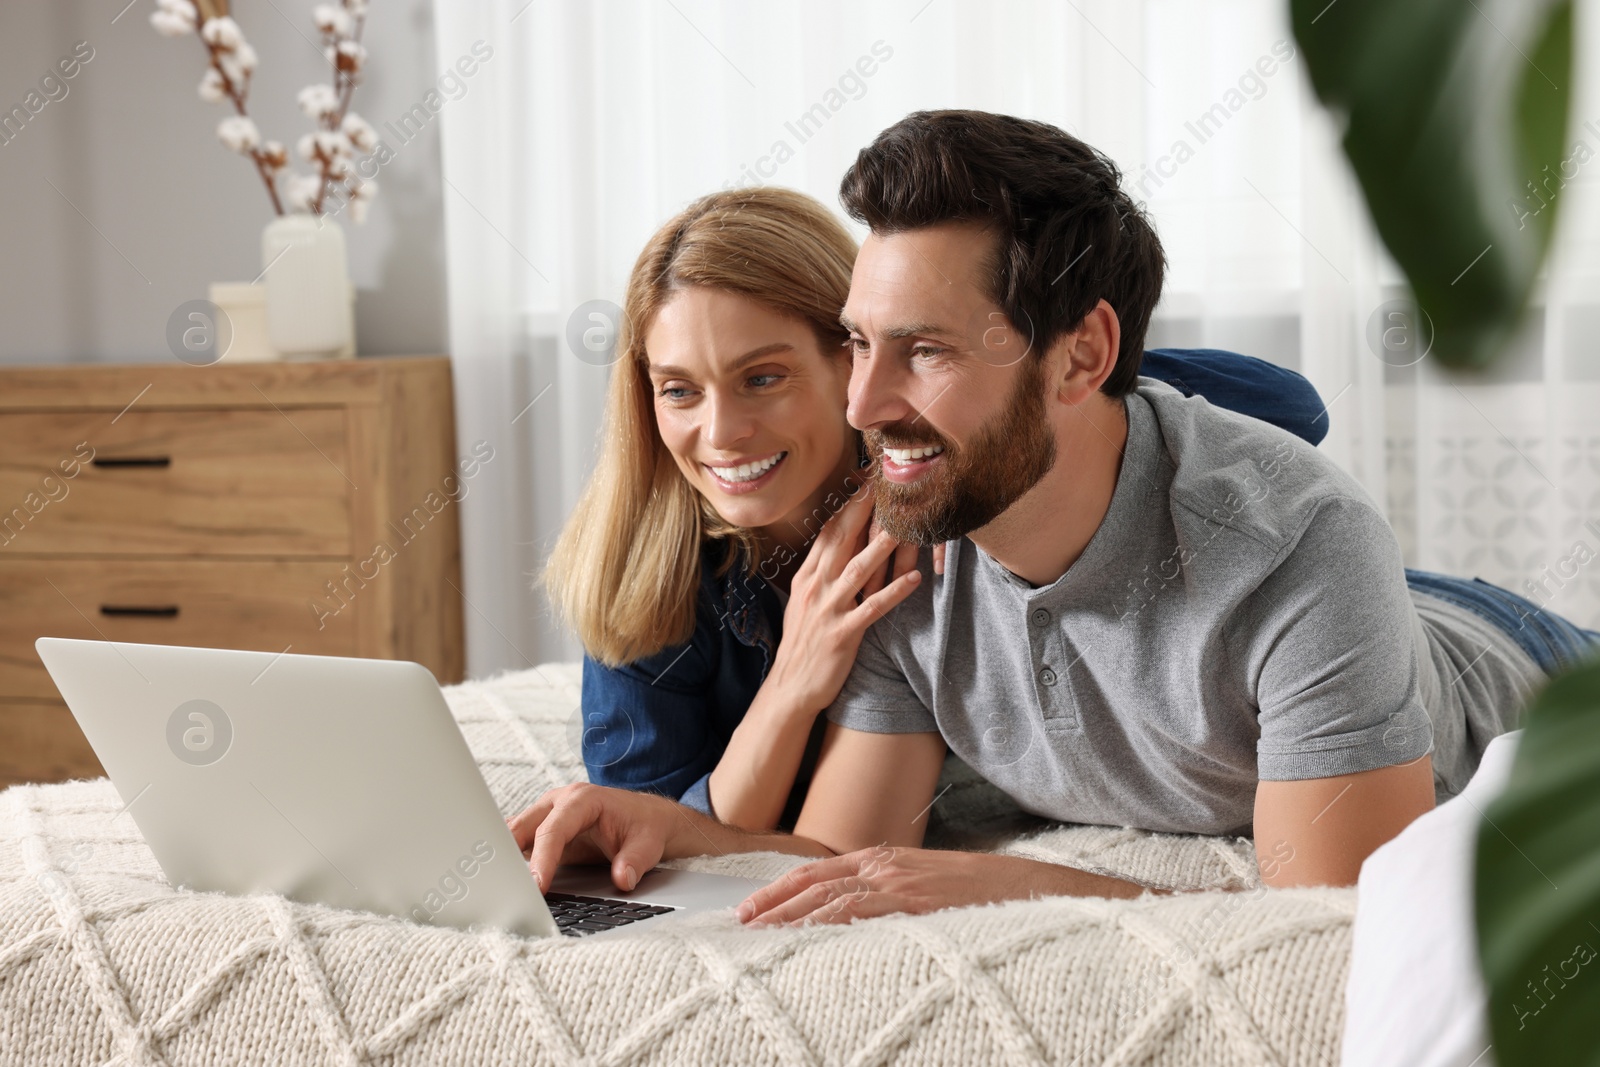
1554, 643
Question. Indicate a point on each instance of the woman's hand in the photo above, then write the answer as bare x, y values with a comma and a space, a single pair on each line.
823, 623
903, 560
583, 823
837, 592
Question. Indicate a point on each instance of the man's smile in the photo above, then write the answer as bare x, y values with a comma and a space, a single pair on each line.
902, 465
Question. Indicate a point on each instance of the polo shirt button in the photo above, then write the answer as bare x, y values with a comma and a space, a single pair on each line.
1040, 616
1047, 676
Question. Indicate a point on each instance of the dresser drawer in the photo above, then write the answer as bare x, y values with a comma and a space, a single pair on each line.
261, 605
42, 743
217, 482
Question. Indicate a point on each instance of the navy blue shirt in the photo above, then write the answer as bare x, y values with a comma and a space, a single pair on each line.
661, 724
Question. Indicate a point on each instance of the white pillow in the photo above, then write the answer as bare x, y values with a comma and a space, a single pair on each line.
1415, 997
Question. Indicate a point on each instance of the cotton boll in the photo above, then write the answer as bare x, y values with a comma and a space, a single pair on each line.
181, 9
331, 145
301, 191
231, 66
318, 101
352, 55
223, 33
172, 23
360, 132
238, 133
332, 20
246, 57
361, 198
211, 87
275, 155
306, 147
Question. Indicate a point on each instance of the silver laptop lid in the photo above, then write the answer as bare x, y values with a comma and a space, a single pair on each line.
328, 780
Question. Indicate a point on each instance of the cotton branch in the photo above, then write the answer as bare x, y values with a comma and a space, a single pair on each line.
232, 61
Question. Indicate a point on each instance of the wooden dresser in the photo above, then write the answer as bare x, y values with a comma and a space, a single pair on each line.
308, 507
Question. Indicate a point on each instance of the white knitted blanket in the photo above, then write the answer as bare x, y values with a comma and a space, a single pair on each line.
102, 962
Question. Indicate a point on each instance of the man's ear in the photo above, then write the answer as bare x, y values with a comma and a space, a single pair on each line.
1082, 360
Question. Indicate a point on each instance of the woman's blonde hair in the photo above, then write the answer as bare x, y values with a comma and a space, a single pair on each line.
625, 572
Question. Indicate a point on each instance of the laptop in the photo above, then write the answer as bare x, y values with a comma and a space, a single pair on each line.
335, 781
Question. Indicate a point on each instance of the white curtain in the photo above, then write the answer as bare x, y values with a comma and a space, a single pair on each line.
592, 122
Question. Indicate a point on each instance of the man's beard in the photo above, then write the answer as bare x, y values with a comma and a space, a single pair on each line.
970, 486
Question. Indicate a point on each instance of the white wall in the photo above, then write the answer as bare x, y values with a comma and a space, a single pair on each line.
133, 148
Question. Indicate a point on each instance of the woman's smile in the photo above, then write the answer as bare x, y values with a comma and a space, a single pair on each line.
746, 476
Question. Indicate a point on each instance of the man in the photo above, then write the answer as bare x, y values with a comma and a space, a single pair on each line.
1153, 612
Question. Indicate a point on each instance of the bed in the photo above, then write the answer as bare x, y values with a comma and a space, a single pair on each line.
102, 962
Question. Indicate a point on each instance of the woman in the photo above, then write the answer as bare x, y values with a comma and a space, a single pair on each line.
719, 568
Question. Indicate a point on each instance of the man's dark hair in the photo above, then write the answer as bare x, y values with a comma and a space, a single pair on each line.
1068, 234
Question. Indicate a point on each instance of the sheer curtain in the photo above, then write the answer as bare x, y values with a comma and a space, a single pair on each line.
591, 123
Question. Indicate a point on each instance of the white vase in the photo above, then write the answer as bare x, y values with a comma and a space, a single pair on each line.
310, 302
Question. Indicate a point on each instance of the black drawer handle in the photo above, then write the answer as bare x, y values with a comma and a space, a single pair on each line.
148, 611
131, 461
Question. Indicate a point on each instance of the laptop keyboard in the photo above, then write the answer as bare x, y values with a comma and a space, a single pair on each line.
581, 916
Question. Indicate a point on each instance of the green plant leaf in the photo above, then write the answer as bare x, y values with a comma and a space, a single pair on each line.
1538, 884
1455, 112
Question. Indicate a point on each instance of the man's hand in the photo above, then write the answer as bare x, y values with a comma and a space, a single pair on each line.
885, 881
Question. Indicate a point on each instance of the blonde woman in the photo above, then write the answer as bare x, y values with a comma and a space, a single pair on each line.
720, 569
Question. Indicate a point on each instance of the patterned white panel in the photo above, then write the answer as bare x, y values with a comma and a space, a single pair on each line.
1488, 514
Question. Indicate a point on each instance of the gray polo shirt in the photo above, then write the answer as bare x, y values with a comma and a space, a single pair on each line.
1240, 614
